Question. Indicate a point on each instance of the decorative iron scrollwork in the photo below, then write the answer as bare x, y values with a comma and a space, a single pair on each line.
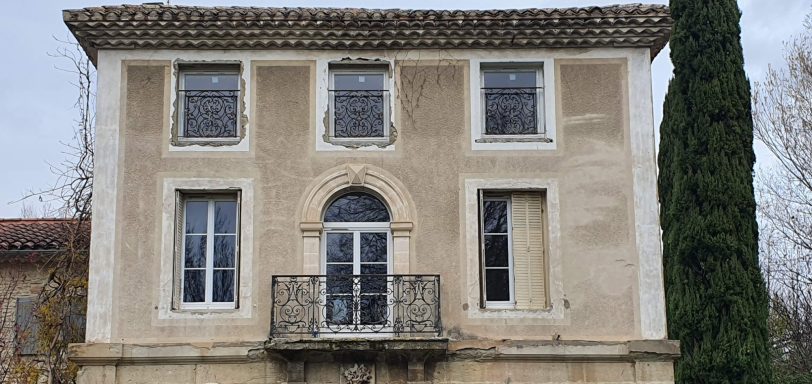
511, 111
359, 114
317, 304
210, 114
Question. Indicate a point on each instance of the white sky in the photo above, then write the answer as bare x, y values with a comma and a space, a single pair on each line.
36, 101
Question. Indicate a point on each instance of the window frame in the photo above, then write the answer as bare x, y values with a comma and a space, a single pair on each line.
511, 302
541, 125
211, 198
358, 69
212, 70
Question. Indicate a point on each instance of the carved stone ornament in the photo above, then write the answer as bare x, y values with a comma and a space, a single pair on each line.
356, 173
357, 374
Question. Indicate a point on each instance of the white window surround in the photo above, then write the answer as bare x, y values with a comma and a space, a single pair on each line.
553, 315
323, 102
246, 233
239, 144
545, 79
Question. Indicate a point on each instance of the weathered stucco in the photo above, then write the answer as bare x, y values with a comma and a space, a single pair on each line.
592, 167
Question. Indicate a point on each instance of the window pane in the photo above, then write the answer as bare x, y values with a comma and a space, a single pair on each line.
208, 82
194, 286
339, 278
373, 247
358, 82
357, 207
373, 284
374, 309
496, 250
510, 79
339, 310
223, 289
358, 113
225, 247
195, 252
495, 216
196, 216
497, 285
225, 217
339, 247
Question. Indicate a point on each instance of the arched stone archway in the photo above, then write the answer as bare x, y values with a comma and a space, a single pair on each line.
363, 176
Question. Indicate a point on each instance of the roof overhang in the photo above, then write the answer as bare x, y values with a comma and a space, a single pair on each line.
156, 26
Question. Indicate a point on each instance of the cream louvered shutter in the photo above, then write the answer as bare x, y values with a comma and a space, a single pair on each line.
528, 250
178, 254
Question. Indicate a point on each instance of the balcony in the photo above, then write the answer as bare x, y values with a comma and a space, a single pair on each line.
399, 306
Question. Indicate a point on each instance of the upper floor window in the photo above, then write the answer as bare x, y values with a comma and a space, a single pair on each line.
512, 101
512, 249
209, 251
359, 103
208, 103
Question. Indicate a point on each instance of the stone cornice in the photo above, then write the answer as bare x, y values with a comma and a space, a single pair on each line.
182, 27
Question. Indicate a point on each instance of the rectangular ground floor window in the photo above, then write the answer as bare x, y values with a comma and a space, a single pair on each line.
512, 249
207, 250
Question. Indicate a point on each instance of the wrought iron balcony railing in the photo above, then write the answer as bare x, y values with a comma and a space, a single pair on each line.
209, 113
359, 114
512, 111
355, 304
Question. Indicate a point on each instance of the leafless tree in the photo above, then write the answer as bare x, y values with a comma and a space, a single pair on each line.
63, 300
782, 112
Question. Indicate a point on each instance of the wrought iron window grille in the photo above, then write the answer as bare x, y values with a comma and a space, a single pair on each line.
210, 114
355, 304
359, 114
513, 111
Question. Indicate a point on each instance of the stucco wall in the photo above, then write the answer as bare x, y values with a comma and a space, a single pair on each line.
432, 158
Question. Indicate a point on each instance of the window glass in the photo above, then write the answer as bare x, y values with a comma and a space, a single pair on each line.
356, 207
209, 251
209, 105
510, 102
359, 105
358, 81
510, 79
211, 82
496, 249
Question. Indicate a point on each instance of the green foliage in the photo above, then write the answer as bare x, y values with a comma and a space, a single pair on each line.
716, 300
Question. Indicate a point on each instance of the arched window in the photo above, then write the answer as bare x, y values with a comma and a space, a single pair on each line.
357, 259
357, 207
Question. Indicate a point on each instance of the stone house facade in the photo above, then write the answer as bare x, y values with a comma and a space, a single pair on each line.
313, 195
27, 251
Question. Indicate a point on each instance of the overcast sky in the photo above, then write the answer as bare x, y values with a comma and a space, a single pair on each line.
36, 102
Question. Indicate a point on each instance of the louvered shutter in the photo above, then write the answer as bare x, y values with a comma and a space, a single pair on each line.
528, 250
27, 326
178, 254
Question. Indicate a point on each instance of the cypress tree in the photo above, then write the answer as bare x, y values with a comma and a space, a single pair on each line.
716, 299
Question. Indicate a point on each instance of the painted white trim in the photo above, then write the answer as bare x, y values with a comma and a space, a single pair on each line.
324, 101
547, 73
103, 251
646, 209
209, 268
556, 313
511, 302
246, 242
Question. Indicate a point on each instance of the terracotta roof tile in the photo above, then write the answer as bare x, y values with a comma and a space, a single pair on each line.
157, 26
38, 234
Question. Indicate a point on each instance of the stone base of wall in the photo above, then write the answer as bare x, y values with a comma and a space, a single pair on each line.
645, 362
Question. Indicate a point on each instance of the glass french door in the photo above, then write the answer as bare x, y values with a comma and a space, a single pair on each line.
356, 263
